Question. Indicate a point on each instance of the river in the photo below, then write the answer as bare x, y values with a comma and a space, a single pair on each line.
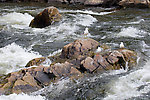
20, 43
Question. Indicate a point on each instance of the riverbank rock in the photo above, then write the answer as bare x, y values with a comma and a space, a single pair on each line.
93, 2
135, 3
77, 61
45, 18
103, 3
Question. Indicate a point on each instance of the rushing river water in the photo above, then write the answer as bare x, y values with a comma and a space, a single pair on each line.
19, 43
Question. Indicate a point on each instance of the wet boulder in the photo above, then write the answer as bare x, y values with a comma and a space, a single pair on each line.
79, 47
64, 70
28, 78
43, 78
135, 3
45, 18
130, 57
88, 64
21, 86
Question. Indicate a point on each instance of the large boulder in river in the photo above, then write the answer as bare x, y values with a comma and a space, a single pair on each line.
45, 18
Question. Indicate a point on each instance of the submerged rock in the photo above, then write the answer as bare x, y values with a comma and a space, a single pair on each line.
77, 61
45, 18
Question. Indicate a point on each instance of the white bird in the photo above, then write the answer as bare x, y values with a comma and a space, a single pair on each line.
86, 31
121, 45
99, 49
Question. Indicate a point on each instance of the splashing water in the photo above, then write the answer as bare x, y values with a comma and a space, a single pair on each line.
45, 41
87, 12
128, 86
131, 32
13, 57
16, 20
21, 97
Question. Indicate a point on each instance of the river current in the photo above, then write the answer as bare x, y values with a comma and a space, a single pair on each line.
19, 43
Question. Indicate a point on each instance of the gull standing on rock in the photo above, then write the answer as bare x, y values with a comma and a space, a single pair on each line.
121, 45
99, 49
86, 31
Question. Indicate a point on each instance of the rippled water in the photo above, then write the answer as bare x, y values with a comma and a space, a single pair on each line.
19, 43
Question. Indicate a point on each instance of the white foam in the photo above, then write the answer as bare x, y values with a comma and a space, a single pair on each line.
145, 47
103, 37
47, 62
86, 12
21, 97
17, 20
127, 86
13, 57
131, 32
114, 72
54, 88
137, 22
60, 32
85, 20
67, 28
38, 29
55, 52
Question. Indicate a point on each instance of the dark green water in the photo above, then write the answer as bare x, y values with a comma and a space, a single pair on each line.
20, 43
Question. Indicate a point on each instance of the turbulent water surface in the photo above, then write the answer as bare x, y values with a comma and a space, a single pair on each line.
19, 43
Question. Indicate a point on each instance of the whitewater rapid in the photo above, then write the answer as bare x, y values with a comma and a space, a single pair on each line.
129, 85
14, 57
21, 97
32, 43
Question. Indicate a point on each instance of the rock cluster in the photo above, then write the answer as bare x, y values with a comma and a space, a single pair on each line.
75, 59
